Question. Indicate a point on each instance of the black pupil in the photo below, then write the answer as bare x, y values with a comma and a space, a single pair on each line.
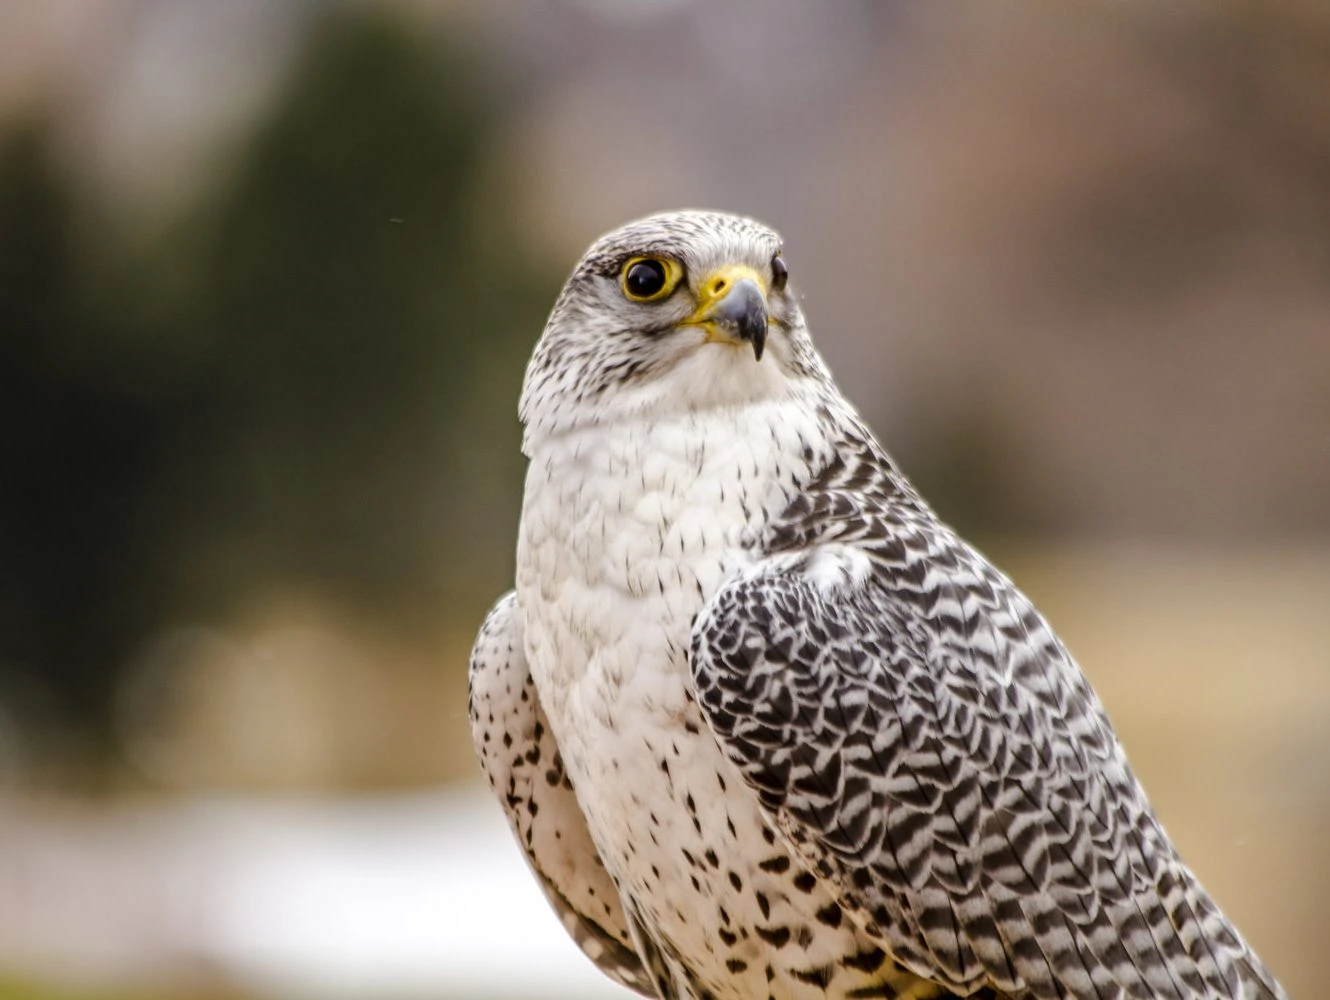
779, 273
645, 278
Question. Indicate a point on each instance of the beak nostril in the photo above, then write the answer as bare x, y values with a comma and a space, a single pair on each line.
718, 286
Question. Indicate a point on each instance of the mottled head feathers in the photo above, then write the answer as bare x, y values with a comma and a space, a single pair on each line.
607, 354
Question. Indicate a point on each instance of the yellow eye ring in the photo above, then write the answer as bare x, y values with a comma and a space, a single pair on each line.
649, 279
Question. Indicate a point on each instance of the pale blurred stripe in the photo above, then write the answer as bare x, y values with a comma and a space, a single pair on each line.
401, 896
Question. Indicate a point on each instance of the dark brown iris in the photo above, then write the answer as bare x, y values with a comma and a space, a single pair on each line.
645, 279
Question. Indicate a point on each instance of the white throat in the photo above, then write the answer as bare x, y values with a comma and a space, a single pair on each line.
699, 377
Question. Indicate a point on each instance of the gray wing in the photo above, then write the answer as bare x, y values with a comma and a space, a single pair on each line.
524, 768
929, 749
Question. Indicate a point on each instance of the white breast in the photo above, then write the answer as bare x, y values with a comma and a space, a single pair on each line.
627, 531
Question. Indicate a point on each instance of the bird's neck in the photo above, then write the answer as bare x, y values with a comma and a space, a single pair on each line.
663, 510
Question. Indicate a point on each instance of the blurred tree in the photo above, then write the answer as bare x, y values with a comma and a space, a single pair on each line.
78, 450
354, 299
309, 383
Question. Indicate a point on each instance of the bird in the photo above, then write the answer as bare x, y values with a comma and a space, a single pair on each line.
762, 723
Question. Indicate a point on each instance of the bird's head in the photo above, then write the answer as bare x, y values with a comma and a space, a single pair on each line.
675, 312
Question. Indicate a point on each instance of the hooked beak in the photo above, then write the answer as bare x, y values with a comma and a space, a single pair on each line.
733, 309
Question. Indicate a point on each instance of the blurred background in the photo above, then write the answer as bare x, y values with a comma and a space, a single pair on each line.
269, 274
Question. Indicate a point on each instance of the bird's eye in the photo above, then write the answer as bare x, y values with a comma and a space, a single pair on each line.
779, 273
646, 279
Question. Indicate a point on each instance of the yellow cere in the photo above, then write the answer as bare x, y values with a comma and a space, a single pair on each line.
721, 280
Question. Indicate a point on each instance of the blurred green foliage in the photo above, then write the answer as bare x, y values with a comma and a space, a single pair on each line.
307, 381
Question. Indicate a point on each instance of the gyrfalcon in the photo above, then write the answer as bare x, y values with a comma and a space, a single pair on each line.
766, 727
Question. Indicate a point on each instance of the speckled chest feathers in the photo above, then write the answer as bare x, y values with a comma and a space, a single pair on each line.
627, 533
